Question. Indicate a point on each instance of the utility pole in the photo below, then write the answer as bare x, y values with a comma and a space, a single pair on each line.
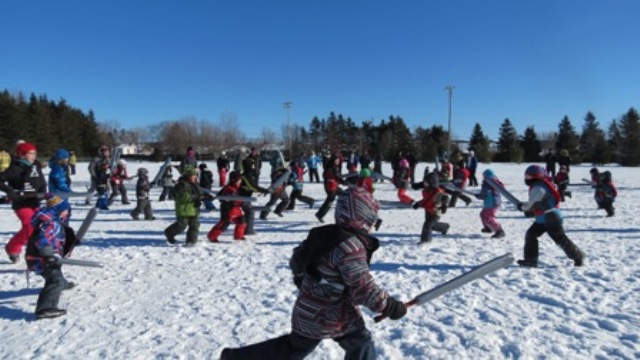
287, 106
449, 89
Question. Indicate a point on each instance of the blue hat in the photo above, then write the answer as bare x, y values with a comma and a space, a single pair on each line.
488, 173
61, 154
58, 204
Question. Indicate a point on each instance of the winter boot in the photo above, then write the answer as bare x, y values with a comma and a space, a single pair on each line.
12, 257
170, 238
486, 230
578, 259
499, 234
50, 313
528, 263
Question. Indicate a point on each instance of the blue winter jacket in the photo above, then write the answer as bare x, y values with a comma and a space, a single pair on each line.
58, 181
491, 198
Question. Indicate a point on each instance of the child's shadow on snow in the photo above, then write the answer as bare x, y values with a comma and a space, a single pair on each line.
12, 313
393, 267
15, 314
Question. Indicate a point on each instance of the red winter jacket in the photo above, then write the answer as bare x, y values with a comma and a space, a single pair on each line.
432, 199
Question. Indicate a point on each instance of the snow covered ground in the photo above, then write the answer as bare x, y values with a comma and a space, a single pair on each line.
153, 300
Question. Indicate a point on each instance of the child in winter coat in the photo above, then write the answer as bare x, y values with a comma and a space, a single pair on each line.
365, 180
434, 202
224, 166
45, 251
331, 177
206, 182
492, 200
230, 211
460, 177
544, 201
331, 270
59, 176
296, 189
606, 193
102, 173
278, 193
402, 181
187, 204
117, 182
143, 205
59, 180
22, 181
167, 184
562, 181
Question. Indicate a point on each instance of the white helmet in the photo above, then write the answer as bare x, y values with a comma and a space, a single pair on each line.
122, 162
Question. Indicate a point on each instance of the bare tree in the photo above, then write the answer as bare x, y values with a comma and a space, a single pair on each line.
230, 129
267, 137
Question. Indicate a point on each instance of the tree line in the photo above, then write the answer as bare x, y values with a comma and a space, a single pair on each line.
53, 124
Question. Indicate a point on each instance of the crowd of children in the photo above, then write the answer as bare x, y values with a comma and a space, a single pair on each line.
45, 231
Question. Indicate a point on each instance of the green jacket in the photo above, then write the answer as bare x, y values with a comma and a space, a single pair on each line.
187, 198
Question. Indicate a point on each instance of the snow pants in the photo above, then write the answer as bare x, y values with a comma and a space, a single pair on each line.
54, 285
403, 197
235, 216
296, 194
182, 223
357, 345
430, 224
313, 173
284, 202
488, 218
20, 239
223, 177
553, 226
118, 189
249, 217
143, 206
326, 205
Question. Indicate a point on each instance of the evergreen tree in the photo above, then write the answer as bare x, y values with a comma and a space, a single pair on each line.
480, 144
615, 142
531, 146
568, 139
592, 141
508, 148
630, 131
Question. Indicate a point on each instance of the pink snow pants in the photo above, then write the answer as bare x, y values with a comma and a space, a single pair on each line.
19, 240
488, 217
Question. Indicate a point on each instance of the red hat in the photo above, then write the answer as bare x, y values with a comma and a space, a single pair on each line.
24, 148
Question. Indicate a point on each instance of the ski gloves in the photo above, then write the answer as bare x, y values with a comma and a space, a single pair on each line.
395, 309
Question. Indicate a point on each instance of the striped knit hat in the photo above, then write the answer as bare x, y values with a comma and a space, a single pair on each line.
356, 209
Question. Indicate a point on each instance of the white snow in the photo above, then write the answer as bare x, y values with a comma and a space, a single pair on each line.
153, 300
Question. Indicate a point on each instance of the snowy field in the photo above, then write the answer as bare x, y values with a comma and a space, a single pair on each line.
153, 300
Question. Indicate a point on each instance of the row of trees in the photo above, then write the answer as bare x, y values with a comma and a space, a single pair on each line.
52, 124
46, 123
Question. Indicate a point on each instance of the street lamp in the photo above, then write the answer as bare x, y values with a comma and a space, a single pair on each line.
287, 106
449, 89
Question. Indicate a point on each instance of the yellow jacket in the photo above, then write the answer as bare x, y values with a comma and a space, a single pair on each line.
5, 160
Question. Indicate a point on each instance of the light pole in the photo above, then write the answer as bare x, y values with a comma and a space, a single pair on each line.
287, 106
449, 89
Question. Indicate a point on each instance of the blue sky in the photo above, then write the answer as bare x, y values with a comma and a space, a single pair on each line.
142, 62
